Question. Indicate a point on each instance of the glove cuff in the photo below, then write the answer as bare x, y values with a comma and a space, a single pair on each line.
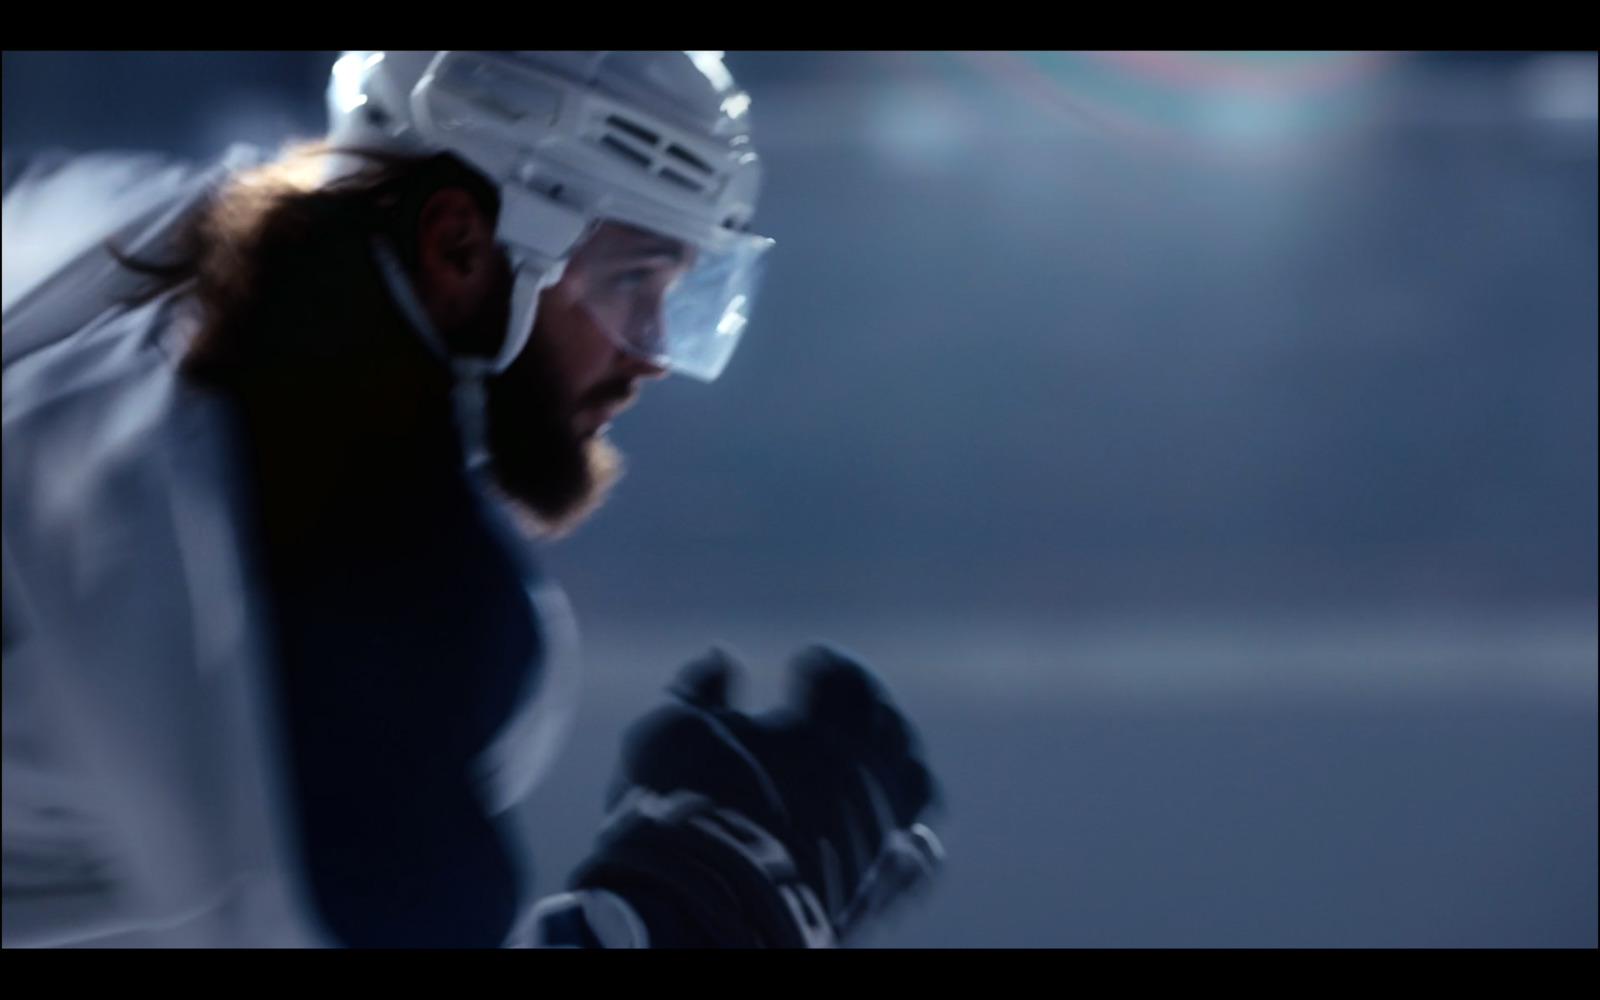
593, 918
734, 878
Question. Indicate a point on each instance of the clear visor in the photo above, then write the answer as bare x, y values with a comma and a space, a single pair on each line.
678, 306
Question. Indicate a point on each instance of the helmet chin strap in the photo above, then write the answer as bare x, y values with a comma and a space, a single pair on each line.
469, 373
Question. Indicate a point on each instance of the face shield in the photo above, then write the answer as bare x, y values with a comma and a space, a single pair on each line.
663, 300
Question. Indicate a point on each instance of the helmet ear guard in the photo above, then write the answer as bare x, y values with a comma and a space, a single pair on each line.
513, 209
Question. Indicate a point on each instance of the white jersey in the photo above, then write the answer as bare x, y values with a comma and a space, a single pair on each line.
144, 776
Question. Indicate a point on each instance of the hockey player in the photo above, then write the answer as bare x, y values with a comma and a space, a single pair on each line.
279, 659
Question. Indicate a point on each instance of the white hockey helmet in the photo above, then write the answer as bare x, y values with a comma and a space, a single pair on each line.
655, 140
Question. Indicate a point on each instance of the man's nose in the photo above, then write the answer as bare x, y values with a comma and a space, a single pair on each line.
646, 369
638, 366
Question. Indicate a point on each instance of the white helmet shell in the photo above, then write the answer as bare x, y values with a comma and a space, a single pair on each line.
658, 140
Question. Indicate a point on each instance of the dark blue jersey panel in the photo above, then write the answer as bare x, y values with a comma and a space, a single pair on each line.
405, 638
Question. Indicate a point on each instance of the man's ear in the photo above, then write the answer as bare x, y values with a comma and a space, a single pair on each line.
456, 255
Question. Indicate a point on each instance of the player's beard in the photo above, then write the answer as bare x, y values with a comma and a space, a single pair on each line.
552, 477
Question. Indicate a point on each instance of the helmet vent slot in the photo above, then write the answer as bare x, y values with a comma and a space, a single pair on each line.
618, 146
681, 154
655, 154
682, 181
638, 132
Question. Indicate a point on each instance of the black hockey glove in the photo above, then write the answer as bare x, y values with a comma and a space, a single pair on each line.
788, 829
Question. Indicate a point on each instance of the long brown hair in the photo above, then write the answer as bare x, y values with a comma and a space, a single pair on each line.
278, 240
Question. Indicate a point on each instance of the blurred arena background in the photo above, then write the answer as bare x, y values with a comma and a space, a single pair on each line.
1204, 445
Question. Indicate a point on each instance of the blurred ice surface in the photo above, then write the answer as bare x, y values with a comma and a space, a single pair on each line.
1544, 656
